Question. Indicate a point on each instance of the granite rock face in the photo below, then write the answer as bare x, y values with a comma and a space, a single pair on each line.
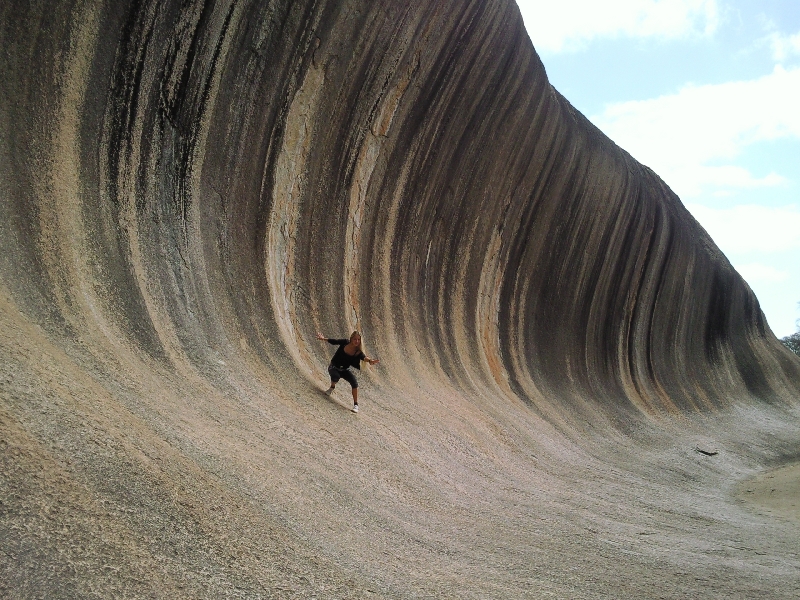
190, 190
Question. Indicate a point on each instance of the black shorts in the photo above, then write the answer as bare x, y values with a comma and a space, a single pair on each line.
337, 374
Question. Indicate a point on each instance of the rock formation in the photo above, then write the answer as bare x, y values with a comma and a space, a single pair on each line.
190, 190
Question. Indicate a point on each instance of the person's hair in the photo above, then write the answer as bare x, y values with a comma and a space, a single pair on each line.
356, 333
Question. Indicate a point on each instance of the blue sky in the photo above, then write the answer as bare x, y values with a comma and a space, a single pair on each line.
707, 94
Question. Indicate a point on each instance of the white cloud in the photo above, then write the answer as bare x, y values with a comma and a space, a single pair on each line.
760, 273
567, 25
691, 180
750, 228
685, 136
784, 46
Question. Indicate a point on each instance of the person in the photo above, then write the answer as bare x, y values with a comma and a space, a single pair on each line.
348, 354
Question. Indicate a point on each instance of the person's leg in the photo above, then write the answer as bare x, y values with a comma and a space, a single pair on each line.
334, 373
351, 379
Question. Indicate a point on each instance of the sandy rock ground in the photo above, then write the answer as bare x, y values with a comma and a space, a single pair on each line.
578, 396
776, 492
134, 485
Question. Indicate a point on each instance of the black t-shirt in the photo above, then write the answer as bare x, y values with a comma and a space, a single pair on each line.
341, 359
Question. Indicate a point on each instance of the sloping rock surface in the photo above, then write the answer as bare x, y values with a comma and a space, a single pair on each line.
191, 190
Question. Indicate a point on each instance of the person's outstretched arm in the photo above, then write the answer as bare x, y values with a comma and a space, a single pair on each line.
333, 341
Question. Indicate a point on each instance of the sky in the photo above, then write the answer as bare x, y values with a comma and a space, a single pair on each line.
707, 94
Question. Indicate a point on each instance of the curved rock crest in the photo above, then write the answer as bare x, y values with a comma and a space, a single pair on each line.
190, 190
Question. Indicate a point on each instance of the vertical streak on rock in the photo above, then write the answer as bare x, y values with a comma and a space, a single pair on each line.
365, 166
488, 312
289, 187
122, 139
640, 230
643, 335
60, 215
198, 273
394, 303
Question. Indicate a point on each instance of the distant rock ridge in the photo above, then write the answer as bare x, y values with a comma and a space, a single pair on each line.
191, 190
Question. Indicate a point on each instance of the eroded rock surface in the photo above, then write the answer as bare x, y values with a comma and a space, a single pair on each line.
190, 190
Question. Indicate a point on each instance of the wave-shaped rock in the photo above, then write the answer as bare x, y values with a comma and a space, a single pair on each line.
190, 190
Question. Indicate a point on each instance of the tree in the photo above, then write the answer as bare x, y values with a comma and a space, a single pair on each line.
792, 342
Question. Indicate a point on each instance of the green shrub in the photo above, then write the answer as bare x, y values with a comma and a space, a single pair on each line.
792, 342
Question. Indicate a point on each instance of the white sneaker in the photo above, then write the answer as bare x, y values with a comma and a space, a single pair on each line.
355, 408
329, 391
